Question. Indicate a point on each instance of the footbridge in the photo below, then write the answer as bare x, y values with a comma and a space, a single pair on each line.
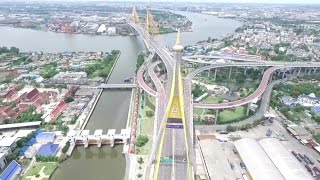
99, 138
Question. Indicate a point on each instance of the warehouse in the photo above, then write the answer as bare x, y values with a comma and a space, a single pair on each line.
268, 158
286, 163
259, 165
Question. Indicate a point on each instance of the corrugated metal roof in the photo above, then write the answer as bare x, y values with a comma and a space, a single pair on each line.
285, 162
257, 161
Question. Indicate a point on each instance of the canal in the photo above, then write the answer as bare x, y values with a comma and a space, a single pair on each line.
111, 111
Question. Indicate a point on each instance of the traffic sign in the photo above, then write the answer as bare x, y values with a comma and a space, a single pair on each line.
174, 126
166, 160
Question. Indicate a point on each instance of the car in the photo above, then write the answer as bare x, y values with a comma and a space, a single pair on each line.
243, 166
294, 153
235, 151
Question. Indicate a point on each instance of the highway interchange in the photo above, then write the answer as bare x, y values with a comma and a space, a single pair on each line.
170, 141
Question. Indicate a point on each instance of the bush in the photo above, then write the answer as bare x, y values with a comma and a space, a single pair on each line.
139, 175
47, 159
150, 113
142, 140
66, 147
230, 128
68, 99
37, 175
140, 161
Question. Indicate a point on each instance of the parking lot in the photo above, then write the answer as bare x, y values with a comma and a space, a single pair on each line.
273, 129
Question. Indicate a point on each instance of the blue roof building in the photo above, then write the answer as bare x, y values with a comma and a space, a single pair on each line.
45, 137
48, 149
316, 109
12, 171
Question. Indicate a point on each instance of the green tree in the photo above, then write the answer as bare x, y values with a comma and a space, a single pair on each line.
142, 140
68, 99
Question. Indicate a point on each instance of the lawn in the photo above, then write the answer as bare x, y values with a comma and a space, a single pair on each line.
212, 99
199, 112
147, 126
230, 115
35, 169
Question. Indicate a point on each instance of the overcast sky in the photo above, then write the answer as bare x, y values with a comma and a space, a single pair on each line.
213, 1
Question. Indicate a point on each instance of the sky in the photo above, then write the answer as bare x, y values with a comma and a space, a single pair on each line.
213, 1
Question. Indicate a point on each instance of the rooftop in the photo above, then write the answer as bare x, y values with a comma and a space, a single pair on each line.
11, 172
48, 149
20, 125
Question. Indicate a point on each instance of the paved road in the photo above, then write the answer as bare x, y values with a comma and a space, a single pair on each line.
264, 105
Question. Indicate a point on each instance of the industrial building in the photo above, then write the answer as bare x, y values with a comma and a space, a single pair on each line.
268, 159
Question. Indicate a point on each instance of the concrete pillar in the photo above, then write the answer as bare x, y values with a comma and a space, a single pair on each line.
283, 73
215, 73
230, 73
310, 71
245, 70
299, 72
262, 71
305, 70
315, 70
208, 73
248, 109
216, 118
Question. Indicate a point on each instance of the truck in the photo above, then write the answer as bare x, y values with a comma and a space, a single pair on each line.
243, 166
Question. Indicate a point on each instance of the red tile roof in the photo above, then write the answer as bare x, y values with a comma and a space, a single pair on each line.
10, 94
58, 110
32, 93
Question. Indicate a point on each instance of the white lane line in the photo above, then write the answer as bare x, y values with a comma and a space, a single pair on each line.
172, 175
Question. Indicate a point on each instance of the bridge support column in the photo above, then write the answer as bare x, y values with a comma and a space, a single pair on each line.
262, 71
283, 73
215, 73
209, 73
315, 70
217, 115
248, 109
310, 71
245, 70
305, 70
230, 73
299, 72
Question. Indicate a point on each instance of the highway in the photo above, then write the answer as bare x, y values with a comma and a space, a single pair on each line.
265, 79
169, 143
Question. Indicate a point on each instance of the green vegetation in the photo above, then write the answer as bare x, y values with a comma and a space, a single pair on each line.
213, 99
229, 115
142, 140
21, 60
20, 143
47, 158
49, 168
317, 137
140, 61
297, 89
149, 113
66, 147
49, 70
197, 91
163, 30
102, 67
28, 116
12, 50
68, 99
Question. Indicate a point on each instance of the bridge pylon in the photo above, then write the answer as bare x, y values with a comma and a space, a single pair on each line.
152, 27
134, 15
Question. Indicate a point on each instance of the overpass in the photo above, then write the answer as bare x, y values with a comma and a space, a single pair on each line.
112, 86
169, 157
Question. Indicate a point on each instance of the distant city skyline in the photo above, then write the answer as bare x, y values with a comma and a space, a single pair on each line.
207, 1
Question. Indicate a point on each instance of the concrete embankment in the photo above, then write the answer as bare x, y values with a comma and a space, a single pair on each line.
96, 99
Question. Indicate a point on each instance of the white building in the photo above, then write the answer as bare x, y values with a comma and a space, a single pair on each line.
112, 31
102, 29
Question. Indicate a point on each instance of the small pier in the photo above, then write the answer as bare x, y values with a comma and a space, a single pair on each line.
98, 138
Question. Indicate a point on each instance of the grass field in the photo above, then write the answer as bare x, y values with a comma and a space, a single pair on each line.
35, 169
212, 99
230, 115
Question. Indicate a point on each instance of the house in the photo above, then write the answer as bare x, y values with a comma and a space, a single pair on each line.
288, 100
12, 171
58, 110
316, 110
8, 142
32, 94
308, 100
48, 149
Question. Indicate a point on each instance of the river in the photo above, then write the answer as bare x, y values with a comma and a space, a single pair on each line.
112, 108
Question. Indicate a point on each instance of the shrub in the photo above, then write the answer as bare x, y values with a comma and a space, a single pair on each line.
66, 147
142, 140
150, 113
